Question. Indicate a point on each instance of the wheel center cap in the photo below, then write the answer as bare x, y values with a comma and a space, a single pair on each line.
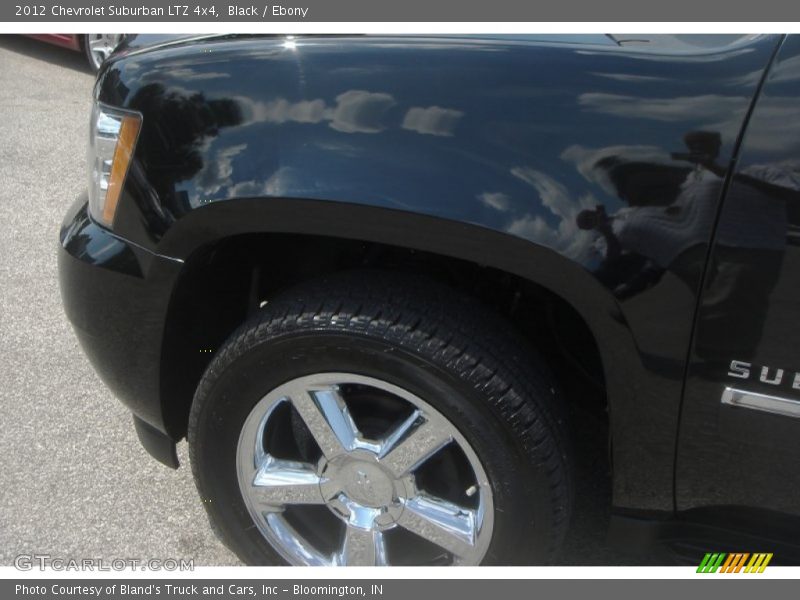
368, 484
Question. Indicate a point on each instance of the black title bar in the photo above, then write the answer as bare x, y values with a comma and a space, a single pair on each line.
470, 11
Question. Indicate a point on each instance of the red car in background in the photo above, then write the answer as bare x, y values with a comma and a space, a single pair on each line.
96, 46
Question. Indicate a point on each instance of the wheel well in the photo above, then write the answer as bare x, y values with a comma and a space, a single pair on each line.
222, 284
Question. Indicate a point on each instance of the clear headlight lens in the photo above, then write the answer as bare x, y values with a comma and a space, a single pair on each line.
112, 139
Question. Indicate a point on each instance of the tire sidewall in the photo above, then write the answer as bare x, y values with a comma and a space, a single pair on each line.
87, 52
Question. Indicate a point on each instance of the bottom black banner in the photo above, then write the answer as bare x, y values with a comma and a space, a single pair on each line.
390, 589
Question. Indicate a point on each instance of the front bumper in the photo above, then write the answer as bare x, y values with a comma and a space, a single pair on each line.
116, 294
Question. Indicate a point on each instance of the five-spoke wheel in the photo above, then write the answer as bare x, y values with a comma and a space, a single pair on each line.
374, 419
368, 483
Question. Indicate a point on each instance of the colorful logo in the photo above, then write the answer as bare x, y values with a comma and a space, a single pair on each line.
734, 562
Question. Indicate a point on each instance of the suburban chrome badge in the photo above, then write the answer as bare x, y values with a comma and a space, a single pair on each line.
740, 369
772, 376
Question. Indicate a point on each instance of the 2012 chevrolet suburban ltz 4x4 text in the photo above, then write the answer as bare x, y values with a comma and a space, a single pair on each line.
376, 281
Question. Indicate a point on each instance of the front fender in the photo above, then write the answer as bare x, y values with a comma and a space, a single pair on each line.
488, 150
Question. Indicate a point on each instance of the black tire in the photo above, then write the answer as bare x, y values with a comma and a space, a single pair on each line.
419, 335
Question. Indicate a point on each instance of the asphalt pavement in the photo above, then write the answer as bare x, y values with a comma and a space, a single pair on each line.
74, 481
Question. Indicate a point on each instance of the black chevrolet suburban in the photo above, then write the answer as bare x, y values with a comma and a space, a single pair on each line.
377, 282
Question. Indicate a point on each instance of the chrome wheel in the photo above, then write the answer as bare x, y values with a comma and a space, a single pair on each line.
99, 47
342, 469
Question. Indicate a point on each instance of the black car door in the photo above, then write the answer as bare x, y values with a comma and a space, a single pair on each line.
738, 459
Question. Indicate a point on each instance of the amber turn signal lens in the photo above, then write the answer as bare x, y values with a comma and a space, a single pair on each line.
123, 153
112, 142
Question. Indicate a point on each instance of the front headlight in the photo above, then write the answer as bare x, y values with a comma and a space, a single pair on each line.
112, 139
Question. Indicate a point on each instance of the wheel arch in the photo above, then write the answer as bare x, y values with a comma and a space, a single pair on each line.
221, 273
